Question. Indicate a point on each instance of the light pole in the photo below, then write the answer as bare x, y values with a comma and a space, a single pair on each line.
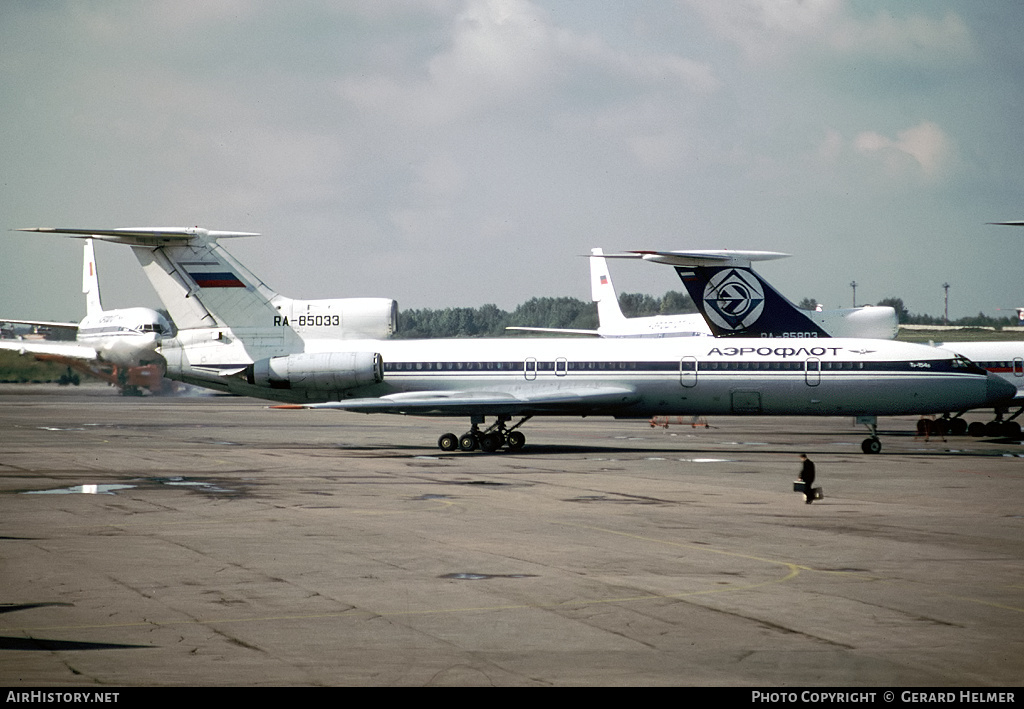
945, 318
853, 284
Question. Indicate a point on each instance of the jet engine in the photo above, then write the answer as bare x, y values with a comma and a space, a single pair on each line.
339, 318
318, 371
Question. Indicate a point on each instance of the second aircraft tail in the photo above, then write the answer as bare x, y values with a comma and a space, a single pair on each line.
736, 302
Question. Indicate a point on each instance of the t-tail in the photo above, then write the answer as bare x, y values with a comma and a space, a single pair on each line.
736, 302
204, 287
234, 333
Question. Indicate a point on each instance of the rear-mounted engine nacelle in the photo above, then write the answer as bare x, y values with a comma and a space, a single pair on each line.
326, 371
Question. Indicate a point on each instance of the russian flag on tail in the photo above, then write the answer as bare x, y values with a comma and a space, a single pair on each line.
214, 277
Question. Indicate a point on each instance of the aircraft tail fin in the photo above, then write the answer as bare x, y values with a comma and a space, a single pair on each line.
199, 283
602, 291
203, 286
91, 281
736, 302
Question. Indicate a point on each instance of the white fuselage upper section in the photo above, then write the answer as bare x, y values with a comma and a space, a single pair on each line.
656, 326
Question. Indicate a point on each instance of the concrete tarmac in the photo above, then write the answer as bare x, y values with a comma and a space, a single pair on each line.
212, 541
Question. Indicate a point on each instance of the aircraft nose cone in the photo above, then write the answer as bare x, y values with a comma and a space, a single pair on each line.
998, 390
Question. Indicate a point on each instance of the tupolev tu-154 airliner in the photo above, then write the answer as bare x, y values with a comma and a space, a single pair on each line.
235, 334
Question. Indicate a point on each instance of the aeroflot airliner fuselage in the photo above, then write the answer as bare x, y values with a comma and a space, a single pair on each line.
622, 378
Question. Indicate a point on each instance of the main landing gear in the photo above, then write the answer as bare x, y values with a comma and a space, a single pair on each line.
955, 426
997, 428
488, 440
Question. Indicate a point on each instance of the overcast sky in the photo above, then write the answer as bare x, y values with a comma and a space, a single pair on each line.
462, 152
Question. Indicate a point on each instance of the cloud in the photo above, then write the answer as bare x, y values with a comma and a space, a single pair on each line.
912, 38
772, 29
507, 53
925, 144
765, 29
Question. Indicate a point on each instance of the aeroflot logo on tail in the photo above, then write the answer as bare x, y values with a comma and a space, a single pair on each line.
734, 299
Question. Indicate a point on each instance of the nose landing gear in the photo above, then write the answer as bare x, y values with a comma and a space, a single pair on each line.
873, 444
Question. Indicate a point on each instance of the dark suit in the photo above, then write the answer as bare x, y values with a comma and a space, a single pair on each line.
807, 475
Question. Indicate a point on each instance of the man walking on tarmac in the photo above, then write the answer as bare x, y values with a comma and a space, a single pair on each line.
807, 476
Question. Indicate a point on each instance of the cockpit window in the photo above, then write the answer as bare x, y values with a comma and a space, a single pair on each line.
157, 328
961, 362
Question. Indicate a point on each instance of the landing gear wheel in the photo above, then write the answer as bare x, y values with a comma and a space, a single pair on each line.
993, 429
516, 440
448, 442
871, 445
976, 429
467, 442
1011, 429
957, 426
490, 442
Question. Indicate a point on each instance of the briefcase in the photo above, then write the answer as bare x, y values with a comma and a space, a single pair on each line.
801, 486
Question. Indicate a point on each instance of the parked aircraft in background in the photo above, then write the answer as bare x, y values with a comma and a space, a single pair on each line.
1004, 359
116, 345
736, 302
868, 321
611, 321
235, 334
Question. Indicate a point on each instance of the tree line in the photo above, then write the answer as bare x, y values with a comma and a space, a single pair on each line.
564, 313
572, 313
905, 317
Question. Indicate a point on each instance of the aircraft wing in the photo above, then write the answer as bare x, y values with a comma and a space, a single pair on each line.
42, 323
522, 402
71, 350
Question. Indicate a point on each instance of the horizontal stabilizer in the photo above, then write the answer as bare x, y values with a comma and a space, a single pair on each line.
701, 257
146, 236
